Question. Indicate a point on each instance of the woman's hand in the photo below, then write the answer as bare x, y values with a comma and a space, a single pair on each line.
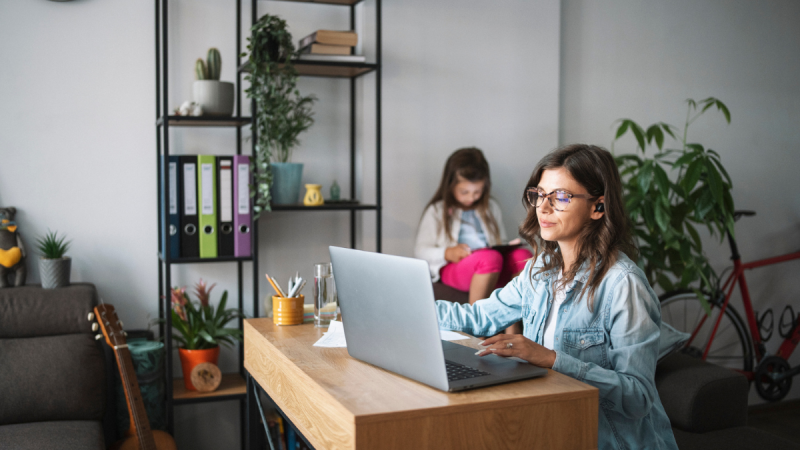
519, 346
457, 253
516, 241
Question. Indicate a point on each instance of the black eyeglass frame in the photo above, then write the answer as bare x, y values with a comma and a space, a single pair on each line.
549, 197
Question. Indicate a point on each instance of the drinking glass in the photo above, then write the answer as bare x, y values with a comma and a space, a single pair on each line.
325, 300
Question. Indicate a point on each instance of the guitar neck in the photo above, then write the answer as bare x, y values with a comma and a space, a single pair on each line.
140, 425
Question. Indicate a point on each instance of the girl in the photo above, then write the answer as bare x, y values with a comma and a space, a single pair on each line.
460, 223
587, 309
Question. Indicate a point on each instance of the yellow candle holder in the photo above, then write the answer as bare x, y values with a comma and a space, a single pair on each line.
313, 195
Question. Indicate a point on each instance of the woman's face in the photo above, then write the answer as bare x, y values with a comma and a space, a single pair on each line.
564, 227
468, 192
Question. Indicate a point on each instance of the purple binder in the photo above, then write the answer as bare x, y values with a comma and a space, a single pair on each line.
242, 222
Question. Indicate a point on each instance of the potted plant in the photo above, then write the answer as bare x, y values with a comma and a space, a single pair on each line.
201, 328
669, 194
54, 267
281, 113
214, 97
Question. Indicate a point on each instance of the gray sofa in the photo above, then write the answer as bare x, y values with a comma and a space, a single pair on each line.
53, 374
706, 404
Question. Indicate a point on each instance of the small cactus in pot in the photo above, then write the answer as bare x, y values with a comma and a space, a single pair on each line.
214, 96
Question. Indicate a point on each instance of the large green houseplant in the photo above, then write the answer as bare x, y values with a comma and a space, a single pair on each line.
669, 192
281, 113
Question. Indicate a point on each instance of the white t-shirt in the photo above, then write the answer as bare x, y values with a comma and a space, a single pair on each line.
548, 339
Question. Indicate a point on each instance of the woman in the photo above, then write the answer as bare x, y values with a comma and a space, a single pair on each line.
587, 309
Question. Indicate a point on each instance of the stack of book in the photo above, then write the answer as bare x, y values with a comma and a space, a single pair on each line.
208, 207
327, 45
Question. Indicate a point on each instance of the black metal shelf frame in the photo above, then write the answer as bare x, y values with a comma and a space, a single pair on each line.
163, 124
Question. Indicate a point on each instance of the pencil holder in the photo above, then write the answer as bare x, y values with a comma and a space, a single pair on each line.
287, 311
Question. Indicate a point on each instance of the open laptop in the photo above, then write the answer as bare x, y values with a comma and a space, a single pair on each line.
389, 319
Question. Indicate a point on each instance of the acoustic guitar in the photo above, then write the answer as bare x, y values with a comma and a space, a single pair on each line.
139, 436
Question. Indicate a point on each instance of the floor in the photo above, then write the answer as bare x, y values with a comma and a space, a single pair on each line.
782, 419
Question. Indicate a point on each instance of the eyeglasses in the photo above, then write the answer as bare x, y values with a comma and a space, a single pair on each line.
559, 200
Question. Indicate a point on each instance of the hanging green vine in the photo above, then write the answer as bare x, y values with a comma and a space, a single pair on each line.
281, 112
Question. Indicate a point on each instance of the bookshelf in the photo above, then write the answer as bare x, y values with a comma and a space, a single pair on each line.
233, 387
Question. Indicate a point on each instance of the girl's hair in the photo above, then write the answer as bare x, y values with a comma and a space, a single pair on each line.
465, 164
594, 168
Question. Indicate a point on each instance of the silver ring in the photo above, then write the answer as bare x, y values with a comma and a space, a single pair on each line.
510, 345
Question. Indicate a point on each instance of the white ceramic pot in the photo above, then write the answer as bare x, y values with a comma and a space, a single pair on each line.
216, 97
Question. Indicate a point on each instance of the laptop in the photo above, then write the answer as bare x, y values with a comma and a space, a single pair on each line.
390, 321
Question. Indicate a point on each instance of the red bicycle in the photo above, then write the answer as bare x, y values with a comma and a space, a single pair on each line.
725, 339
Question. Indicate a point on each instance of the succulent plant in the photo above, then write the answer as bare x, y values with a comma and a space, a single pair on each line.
200, 70
213, 64
51, 246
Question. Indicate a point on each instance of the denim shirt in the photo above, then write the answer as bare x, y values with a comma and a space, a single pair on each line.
614, 347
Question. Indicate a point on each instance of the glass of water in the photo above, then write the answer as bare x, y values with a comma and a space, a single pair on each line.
325, 300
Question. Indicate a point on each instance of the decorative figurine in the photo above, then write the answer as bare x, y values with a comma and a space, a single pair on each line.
335, 191
12, 252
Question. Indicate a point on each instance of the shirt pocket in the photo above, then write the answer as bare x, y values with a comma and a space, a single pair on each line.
586, 344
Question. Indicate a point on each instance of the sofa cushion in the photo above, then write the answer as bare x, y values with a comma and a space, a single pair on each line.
65, 435
51, 378
29, 311
699, 396
737, 438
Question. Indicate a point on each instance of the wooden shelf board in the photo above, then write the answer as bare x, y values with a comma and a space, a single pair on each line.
201, 121
204, 260
232, 384
327, 2
325, 207
340, 70
327, 69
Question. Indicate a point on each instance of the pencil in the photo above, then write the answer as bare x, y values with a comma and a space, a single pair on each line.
274, 286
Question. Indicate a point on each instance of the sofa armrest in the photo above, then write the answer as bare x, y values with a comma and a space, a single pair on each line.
699, 396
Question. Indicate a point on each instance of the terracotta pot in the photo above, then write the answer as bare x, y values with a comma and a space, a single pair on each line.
191, 358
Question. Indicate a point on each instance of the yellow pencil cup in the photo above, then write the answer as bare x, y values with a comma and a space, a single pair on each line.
287, 311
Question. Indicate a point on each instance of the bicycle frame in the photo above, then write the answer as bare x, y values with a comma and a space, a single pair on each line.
789, 344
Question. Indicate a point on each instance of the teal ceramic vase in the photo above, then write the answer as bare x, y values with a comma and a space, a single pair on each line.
286, 179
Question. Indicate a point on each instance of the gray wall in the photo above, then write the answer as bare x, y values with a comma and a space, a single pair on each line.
642, 60
515, 78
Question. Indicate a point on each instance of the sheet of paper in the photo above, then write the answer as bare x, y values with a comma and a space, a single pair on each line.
334, 337
451, 335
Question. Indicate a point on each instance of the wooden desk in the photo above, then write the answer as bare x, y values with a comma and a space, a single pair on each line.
338, 402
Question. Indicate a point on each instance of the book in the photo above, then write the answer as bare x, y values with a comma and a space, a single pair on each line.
325, 49
349, 38
332, 58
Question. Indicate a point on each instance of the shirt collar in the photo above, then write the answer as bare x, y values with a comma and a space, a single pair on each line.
580, 277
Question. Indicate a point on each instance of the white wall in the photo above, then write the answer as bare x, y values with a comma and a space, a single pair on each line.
642, 60
77, 141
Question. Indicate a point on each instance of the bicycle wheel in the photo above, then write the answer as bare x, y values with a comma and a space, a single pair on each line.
731, 348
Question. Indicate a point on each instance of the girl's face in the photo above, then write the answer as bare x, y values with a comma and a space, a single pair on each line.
564, 227
468, 192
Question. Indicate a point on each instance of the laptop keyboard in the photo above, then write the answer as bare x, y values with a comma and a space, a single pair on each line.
457, 371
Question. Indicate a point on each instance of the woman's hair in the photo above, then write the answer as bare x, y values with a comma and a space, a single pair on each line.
594, 168
465, 164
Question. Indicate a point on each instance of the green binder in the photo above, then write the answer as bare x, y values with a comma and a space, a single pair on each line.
207, 187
